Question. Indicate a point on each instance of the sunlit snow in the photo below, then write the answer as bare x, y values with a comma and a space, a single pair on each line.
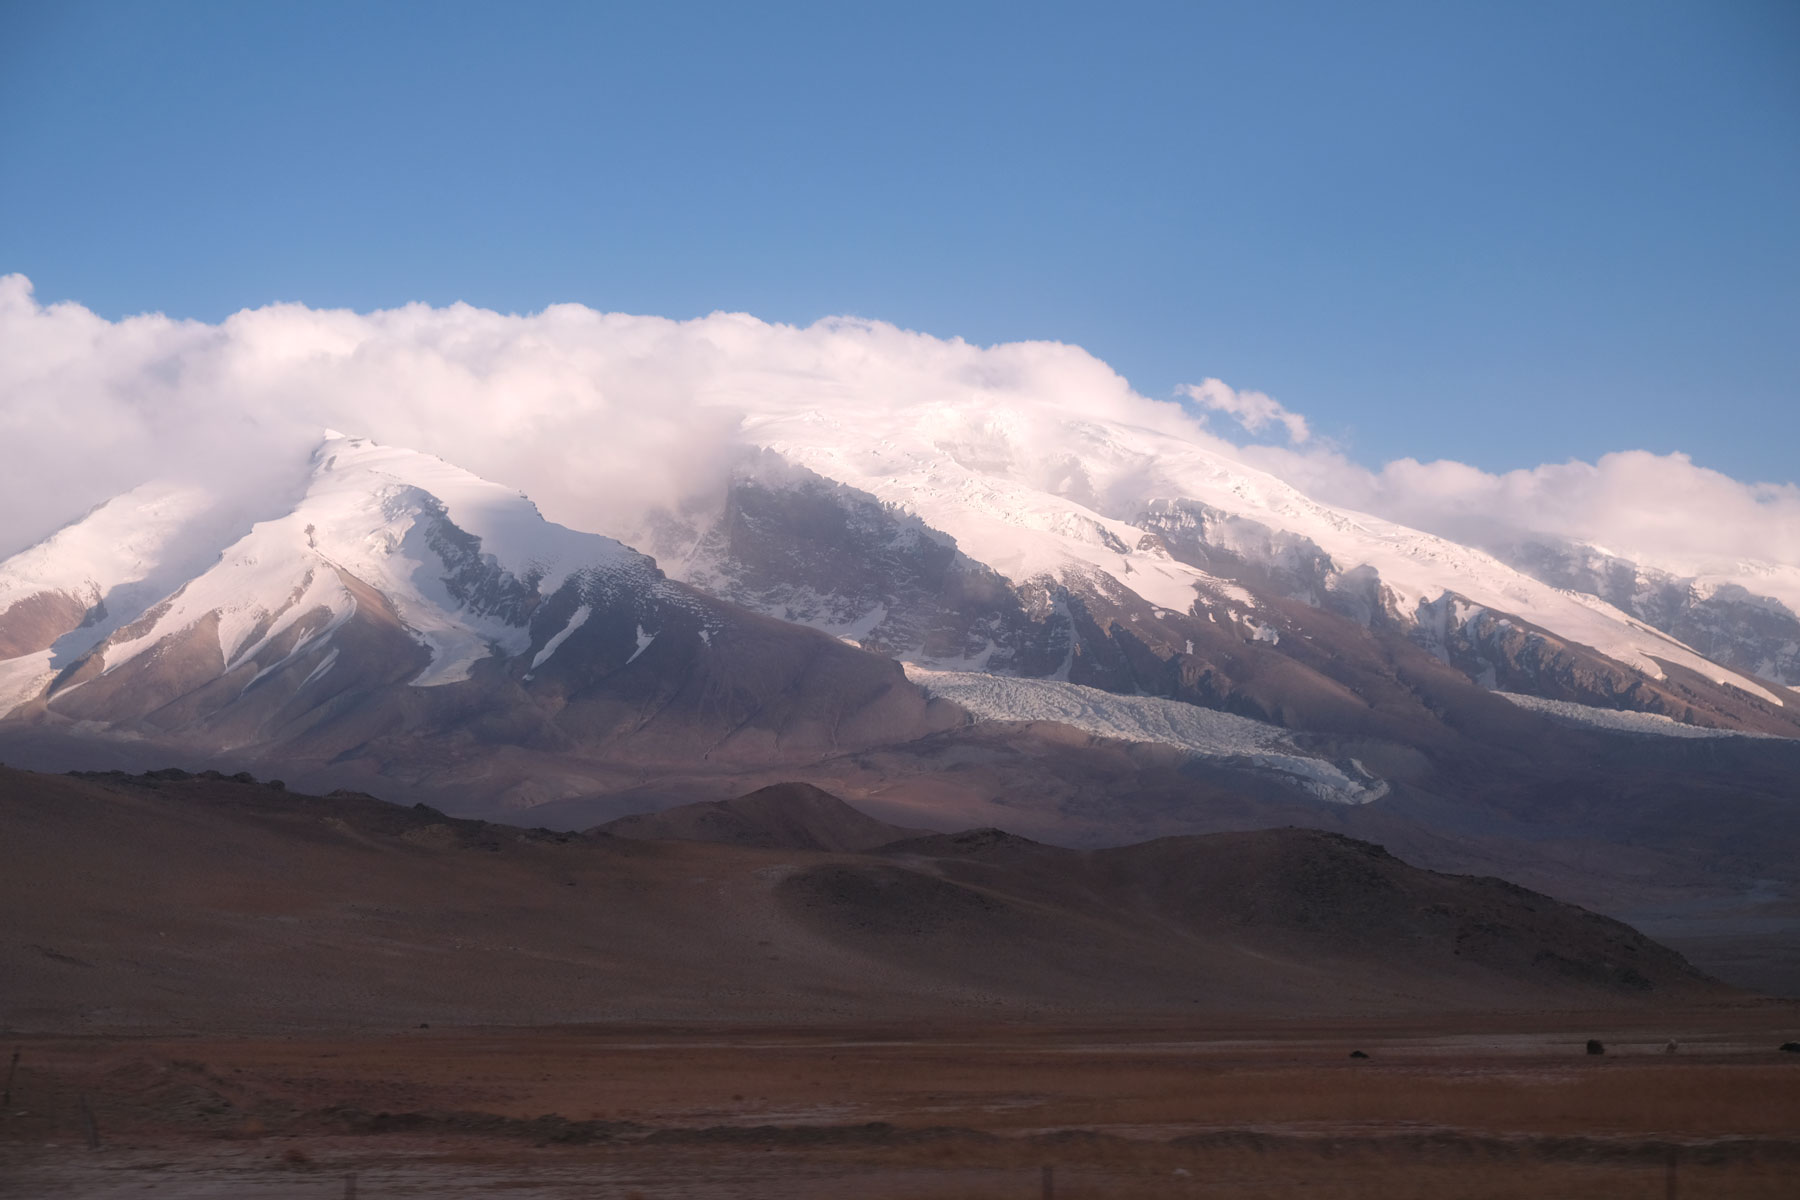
363, 520
1053, 491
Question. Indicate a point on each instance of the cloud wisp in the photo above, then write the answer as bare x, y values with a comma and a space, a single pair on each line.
602, 416
1255, 411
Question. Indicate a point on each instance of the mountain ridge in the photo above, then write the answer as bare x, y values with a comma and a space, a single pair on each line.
781, 816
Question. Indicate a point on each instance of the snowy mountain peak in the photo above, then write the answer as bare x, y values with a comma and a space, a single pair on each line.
459, 562
508, 524
1060, 495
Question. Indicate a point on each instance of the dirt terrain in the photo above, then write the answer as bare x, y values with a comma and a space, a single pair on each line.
220, 988
1470, 1107
205, 904
1692, 841
782, 816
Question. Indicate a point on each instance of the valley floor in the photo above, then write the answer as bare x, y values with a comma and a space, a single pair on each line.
1470, 1106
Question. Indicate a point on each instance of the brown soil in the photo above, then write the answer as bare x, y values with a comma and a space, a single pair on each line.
1476, 1106
212, 904
782, 816
223, 989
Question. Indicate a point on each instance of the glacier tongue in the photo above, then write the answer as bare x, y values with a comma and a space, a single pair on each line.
1200, 731
23, 677
1623, 721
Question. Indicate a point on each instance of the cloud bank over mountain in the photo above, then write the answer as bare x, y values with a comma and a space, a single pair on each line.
601, 416
1663, 510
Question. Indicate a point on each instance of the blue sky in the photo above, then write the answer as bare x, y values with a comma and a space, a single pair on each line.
1503, 234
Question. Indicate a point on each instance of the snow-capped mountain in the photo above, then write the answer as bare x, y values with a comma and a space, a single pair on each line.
1124, 638
460, 563
1130, 582
406, 617
404, 607
1137, 558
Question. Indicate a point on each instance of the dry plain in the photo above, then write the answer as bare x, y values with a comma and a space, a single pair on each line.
218, 989
1499, 1105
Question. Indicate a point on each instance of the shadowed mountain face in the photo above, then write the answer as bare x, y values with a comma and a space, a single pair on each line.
791, 544
171, 901
782, 816
1725, 621
1299, 897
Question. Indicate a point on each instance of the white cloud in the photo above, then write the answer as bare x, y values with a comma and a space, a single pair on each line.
1253, 410
1659, 509
599, 416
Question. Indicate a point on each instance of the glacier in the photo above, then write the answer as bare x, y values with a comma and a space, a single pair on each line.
1204, 732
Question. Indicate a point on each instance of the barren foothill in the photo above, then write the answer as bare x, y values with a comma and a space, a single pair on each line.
220, 988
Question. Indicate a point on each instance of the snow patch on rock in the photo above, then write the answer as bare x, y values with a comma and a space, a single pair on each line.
576, 620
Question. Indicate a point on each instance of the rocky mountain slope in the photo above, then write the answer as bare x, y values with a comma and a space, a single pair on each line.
1746, 622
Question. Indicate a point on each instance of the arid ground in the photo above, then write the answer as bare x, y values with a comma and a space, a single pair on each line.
1470, 1107
222, 989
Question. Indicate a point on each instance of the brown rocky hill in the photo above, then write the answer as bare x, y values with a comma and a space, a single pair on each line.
170, 901
782, 816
